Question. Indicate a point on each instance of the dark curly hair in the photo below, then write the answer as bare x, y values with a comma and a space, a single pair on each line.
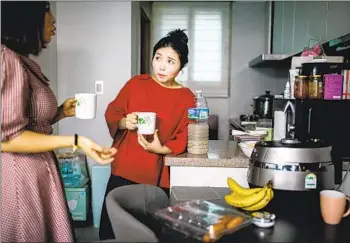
22, 25
176, 39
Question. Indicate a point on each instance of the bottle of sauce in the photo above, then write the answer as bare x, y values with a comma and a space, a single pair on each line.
316, 87
301, 87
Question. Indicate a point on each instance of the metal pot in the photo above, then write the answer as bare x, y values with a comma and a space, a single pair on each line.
263, 105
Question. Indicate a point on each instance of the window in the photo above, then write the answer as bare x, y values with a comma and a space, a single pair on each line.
207, 25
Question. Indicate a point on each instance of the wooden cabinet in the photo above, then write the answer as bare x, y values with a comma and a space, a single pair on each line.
295, 23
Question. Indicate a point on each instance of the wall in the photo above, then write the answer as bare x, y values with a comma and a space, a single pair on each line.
47, 60
93, 43
249, 39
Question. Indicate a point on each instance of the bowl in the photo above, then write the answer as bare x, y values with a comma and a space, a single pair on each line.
247, 147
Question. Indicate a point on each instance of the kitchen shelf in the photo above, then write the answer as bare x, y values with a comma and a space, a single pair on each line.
284, 60
271, 60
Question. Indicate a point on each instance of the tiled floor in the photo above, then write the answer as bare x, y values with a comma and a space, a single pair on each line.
86, 234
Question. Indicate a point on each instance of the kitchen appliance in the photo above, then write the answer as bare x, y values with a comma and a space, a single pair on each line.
313, 68
345, 185
292, 166
298, 172
263, 105
301, 164
284, 123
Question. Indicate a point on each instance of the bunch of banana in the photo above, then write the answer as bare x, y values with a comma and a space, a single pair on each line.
249, 199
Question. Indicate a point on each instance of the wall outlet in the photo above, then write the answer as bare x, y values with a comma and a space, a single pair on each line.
99, 87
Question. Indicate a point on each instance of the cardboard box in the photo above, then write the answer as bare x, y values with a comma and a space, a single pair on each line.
78, 202
298, 60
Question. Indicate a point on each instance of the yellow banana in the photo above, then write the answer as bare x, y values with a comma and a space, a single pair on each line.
239, 190
236, 200
271, 194
262, 203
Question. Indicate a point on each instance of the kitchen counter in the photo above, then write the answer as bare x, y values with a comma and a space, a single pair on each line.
291, 226
221, 154
224, 159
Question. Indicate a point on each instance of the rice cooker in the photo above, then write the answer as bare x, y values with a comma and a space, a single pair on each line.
293, 166
298, 171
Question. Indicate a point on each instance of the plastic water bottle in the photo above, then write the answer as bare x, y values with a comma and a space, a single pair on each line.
198, 129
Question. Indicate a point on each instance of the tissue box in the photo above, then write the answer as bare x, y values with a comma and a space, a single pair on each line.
78, 202
333, 86
346, 84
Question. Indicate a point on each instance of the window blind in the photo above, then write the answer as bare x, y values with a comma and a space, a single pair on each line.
207, 25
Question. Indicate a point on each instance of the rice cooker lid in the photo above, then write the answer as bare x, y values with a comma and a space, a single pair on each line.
301, 145
280, 153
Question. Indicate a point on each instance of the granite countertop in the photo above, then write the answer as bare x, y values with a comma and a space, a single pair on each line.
221, 154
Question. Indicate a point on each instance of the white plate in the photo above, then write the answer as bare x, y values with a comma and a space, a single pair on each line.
238, 133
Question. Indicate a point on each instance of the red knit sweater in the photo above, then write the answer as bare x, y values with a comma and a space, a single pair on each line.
142, 93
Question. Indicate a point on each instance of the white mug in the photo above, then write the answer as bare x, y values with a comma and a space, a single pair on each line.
86, 105
146, 122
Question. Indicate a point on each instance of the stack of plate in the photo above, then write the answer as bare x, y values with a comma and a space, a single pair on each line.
198, 138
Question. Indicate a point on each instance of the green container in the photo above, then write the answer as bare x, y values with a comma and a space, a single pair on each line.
78, 202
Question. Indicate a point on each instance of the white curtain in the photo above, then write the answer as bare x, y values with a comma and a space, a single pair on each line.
207, 25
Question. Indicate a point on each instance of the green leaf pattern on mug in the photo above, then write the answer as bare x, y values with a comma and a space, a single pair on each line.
141, 121
144, 121
80, 102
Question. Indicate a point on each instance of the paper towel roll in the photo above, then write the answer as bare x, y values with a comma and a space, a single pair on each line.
279, 130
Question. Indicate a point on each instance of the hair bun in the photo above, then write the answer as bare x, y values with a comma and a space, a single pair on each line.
179, 34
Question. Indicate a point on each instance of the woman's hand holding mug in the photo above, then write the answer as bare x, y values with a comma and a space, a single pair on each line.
129, 122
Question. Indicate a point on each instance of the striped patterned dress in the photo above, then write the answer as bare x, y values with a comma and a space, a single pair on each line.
33, 207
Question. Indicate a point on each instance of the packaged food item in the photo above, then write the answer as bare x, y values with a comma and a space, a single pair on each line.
73, 169
316, 87
333, 84
301, 87
203, 220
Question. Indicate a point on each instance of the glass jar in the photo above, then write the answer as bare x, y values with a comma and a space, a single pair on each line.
316, 87
301, 87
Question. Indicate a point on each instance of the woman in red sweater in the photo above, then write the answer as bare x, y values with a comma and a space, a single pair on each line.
138, 160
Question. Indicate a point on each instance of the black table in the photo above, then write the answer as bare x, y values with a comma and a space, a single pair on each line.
291, 226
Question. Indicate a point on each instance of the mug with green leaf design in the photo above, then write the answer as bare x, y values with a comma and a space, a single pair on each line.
86, 105
146, 122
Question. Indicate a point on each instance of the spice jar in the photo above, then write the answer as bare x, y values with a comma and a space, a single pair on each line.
316, 87
301, 87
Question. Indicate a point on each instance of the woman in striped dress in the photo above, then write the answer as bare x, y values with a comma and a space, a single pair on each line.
33, 207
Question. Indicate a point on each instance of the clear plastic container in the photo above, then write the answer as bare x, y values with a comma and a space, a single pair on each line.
198, 129
203, 220
73, 168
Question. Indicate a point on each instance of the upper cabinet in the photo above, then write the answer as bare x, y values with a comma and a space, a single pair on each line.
295, 23
338, 19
